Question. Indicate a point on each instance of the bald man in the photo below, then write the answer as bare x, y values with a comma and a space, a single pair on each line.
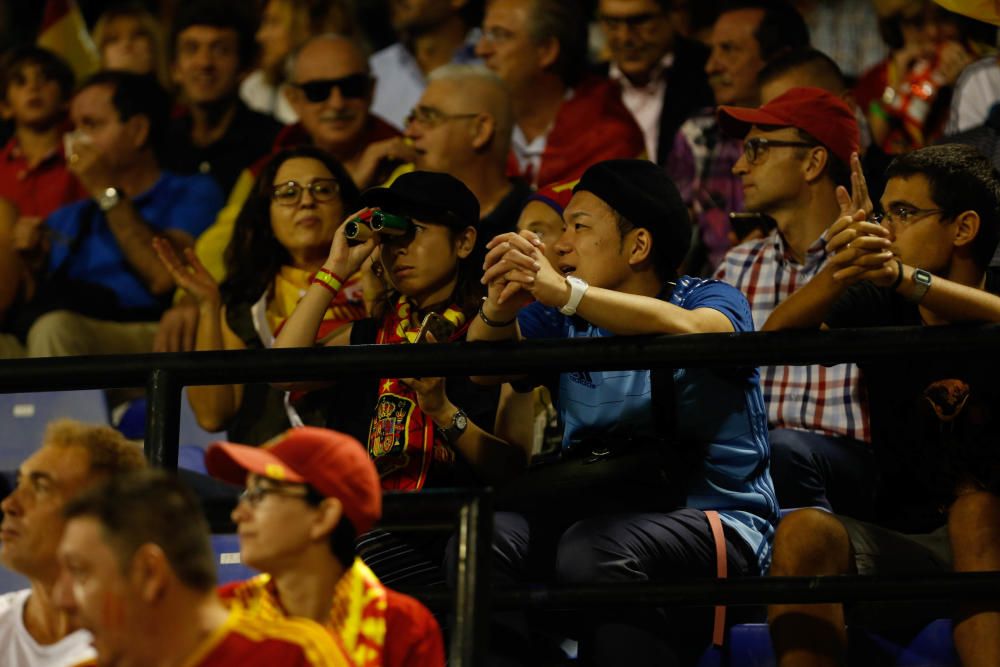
462, 126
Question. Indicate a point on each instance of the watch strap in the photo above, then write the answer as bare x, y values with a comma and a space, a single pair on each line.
577, 288
922, 282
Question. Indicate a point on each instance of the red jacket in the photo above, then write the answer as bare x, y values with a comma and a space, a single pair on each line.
591, 126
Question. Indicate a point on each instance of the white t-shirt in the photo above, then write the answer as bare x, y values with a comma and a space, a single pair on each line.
19, 649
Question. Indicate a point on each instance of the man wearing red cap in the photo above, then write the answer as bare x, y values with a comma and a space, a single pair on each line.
309, 493
797, 149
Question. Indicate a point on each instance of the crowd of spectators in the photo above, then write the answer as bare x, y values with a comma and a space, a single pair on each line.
276, 174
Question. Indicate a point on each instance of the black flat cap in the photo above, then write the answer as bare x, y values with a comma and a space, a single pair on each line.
428, 196
643, 194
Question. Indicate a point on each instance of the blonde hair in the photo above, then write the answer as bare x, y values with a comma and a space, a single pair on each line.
151, 28
110, 452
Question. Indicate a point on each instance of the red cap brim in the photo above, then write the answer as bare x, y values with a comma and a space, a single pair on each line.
231, 462
736, 121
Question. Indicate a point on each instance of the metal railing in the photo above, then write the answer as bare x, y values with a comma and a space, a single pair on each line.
164, 375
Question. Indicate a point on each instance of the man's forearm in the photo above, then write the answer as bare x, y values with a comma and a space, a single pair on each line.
808, 306
135, 238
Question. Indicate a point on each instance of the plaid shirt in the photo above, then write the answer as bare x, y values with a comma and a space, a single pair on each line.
826, 399
701, 164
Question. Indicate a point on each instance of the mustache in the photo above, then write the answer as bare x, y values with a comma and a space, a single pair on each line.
337, 116
719, 80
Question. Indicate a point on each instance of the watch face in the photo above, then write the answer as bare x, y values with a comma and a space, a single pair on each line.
461, 421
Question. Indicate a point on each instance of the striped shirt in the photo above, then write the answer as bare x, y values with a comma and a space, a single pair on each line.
825, 399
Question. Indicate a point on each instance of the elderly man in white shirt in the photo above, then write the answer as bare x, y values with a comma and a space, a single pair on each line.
34, 632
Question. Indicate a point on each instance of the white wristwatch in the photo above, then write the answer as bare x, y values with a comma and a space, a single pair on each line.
577, 288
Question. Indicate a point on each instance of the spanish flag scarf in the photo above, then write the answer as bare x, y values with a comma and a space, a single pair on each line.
402, 440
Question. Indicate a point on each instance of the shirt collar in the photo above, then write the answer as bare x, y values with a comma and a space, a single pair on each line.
815, 253
655, 79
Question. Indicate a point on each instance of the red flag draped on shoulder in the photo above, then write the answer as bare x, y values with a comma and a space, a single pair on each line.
65, 32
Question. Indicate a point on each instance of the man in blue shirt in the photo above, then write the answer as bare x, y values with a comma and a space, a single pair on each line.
97, 286
625, 232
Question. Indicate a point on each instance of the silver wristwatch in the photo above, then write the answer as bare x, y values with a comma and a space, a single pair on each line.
454, 431
109, 198
577, 288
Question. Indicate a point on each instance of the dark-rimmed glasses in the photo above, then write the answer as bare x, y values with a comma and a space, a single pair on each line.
354, 86
431, 117
254, 496
904, 215
290, 193
756, 149
633, 22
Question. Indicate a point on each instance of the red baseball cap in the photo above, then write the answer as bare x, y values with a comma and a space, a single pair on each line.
555, 195
333, 463
823, 115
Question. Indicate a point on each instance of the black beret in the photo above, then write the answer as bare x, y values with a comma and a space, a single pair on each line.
429, 196
642, 193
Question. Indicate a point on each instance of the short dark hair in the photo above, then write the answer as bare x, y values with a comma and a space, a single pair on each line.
961, 179
137, 95
563, 21
780, 29
151, 507
218, 14
344, 535
53, 67
802, 58
254, 256
839, 172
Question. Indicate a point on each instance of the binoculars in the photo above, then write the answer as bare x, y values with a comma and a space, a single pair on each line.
361, 228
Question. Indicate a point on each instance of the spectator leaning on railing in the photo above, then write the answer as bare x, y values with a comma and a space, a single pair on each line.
797, 149
281, 239
687, 480
935, 422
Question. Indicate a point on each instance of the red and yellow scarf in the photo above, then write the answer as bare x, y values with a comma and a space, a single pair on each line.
357, 617
402, 440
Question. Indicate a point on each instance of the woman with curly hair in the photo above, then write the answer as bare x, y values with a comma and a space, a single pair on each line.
281, 239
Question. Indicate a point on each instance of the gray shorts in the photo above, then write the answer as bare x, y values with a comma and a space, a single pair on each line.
879, 550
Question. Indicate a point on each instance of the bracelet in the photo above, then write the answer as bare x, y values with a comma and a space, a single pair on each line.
496, 324
328, 280
899, 279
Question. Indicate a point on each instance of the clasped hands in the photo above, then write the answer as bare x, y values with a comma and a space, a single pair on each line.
858, 247
516, 271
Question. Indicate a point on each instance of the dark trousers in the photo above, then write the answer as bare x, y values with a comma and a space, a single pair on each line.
817, 470
609, 548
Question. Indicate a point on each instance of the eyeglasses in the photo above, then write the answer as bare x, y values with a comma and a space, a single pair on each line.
496, 35
904, 215
290, 193
756, 149
431, 117
634, 22
254, 496
354, 86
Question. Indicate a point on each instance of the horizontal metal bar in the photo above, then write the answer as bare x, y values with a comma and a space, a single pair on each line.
537, 356
738, 592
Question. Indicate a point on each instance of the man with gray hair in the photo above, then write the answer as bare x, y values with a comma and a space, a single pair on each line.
73, 457
565, 121
462, 126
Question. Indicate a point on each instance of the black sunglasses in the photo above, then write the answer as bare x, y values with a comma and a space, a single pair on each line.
352, 87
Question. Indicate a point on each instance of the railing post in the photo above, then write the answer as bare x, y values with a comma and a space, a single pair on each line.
470, 640
163, 415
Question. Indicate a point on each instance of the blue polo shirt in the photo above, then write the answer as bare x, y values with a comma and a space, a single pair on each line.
185, 203
723, 408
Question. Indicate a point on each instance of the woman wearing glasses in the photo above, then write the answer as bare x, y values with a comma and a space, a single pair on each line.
281, 239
